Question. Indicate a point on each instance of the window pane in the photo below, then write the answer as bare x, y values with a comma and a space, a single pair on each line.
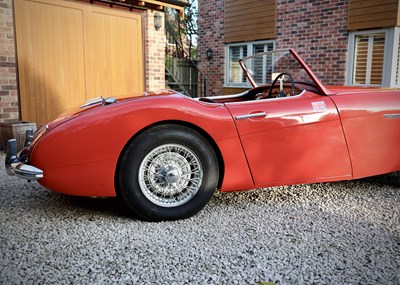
360, 61
236, 74
261, 63
397, 81
377, 59
368, 59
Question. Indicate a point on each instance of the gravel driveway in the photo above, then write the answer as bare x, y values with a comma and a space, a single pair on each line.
328, 233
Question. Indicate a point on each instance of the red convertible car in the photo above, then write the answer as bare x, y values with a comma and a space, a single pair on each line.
164, 154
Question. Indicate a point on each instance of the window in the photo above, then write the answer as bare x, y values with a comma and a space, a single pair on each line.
368, 59
374, 58
234, 76
397, 81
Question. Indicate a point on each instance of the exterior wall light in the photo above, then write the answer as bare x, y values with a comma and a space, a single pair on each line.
157, 21
209, 53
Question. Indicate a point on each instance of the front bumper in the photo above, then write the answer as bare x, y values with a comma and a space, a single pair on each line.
14, 166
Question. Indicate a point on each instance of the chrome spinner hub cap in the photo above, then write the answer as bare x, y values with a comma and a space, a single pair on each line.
170, 175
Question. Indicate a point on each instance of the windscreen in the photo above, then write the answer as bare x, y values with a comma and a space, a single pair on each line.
263, 68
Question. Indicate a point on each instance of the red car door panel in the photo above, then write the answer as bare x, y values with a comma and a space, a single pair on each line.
371, 122
292, 140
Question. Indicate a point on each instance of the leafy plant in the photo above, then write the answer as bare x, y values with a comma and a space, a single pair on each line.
183, 28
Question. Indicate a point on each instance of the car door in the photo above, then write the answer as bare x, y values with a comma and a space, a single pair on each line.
371, 122
292, 140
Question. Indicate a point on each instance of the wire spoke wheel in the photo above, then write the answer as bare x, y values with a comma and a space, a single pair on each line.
168, 172
170, 175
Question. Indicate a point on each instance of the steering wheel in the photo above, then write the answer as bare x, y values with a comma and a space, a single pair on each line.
281, 91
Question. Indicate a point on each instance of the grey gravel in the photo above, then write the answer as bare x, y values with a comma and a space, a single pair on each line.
327, 233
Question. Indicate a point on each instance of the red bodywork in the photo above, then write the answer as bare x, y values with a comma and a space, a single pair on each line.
331, 134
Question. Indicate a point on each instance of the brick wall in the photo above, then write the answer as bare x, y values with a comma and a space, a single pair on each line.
317, 30
154, 44
9, 110
8, 73
211, 35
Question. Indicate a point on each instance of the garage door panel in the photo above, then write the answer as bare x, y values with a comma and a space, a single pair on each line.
69, 52
113, 42
51, 53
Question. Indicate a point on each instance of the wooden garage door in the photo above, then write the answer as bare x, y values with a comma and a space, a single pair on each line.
69, 52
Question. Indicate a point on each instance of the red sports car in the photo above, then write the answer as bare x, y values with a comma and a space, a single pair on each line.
164, 154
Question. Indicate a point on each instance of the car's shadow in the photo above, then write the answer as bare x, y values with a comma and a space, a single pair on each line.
390, 179
105, 206
298, 194
38, 200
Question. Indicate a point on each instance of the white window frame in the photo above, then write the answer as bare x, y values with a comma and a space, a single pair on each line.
249, 53
390, 61
395, 78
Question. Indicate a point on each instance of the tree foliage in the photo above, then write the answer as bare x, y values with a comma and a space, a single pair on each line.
183, 29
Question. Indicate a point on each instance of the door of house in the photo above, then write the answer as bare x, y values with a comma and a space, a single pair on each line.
69, 52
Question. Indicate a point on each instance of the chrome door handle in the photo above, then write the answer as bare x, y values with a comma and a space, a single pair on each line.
250, 116
391, 116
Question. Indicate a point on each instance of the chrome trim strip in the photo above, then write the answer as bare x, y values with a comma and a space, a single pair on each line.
105, 101
233, 96
250, 116
391, 116
301, 93
92, 102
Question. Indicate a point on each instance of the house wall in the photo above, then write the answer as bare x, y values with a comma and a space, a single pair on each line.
154, 46
211, 35
8, 74
316, 29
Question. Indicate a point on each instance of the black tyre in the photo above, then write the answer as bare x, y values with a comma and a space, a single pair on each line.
168, 172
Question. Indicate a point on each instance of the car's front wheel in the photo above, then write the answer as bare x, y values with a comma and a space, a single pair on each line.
168, 172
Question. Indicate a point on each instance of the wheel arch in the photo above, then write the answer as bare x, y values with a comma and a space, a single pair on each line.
192, 126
